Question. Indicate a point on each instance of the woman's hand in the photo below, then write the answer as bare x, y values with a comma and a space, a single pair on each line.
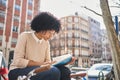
47, 65
72, 61
49, 62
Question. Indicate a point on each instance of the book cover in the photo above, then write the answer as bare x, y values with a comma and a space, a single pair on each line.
62, 60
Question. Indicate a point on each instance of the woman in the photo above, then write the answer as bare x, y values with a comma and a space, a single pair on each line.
33, 50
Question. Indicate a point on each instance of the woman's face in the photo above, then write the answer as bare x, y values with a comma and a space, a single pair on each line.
48, 34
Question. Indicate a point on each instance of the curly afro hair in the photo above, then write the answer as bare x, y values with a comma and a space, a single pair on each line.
45, 21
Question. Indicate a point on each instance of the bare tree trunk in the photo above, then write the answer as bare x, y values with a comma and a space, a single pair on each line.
112, 36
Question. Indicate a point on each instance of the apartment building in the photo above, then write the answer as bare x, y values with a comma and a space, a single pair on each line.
74, 38
15, 17
96, 40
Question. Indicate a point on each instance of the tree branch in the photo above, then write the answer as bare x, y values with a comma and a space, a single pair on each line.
92, 11
115, 6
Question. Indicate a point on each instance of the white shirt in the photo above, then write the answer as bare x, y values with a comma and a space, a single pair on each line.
35, 37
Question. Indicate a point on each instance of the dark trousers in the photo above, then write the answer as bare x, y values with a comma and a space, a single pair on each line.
55, 73
65, 73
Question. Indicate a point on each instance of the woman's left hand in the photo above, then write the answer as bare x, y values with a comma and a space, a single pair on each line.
72, 61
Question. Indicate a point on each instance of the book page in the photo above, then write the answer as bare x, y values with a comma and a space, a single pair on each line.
63, 59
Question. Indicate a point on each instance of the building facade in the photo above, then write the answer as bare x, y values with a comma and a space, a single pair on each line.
15, 17
101, 51
74, 38
106, 48
96, 39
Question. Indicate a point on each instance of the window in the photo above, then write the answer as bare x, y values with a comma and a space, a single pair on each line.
2, 14
85, 52
84, 23
52, 53
62, 43
1, 37
69, 34
85, 36
76, 43
29, 12
69, 27
15, 29
16, 18
85, 44
14, 40
69, 43
76, 26
30, 2
3, 2
76, 19
1, 25
69, 19
76, 34
17, 7
76, 52
28, 21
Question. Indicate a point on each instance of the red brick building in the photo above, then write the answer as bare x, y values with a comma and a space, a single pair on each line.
15, 17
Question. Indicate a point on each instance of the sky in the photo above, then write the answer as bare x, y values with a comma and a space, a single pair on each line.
61, 8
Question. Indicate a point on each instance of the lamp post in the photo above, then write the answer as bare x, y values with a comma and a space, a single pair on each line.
117, 25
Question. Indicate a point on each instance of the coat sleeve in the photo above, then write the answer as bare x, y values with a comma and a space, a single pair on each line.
19, 53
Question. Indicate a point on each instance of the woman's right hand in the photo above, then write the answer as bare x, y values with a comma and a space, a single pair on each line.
49, 62
47, 65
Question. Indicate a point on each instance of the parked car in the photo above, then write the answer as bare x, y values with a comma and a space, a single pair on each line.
78, 73
78, 69
102, 70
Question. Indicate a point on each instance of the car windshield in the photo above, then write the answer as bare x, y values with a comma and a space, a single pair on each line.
101, 67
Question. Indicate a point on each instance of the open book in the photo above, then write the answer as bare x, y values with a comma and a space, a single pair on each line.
62, 60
